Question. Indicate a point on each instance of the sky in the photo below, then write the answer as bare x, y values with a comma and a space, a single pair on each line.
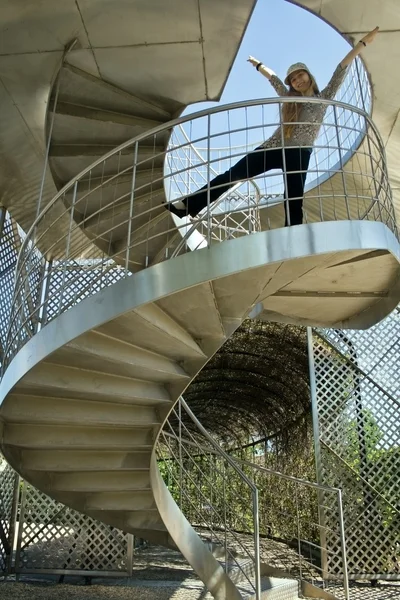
279, 34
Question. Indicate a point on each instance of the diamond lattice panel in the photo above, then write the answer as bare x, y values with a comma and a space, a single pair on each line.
357, 380
8, 479
8, 259
72, 282
53, 536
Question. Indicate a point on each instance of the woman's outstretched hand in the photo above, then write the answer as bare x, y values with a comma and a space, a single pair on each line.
253, 61
369, 38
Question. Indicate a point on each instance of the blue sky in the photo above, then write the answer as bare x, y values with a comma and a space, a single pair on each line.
279, 34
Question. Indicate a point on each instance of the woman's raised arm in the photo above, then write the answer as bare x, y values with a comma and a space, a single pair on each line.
329, 92
367, 39
277, 84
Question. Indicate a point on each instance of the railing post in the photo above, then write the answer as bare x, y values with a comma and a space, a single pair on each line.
317, 452
130, 542
208, 179
346, 197
343, 546
132, 197
286, 198
368, 138
257, 558
67, 248
13, 522
298, 533
42, 313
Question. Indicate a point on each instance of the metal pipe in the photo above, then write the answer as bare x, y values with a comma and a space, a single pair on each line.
317, 449
68, 244
13, 523
214, 445
128, 245
286, 192
257, 557
343, 546
346, 197
208, 180
298, 535
42, 314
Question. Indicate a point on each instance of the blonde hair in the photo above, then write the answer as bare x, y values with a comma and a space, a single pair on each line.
291, 110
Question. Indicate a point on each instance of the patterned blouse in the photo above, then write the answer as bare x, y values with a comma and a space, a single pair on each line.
305, 134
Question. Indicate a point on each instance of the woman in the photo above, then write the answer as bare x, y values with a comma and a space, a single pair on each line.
301, 123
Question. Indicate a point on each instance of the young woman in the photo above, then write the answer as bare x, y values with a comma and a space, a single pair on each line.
301, 123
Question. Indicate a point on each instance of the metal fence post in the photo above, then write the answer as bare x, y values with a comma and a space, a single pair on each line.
317, 452
13, 523
343, 547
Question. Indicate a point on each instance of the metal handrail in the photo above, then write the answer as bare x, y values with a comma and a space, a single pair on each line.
213, 448
202, 113
135, 245
219, 201
216, 447
217, 450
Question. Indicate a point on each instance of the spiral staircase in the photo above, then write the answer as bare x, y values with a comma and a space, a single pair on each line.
84, 399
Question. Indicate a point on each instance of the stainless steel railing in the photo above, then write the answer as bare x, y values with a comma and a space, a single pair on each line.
206, 505
109, 217
216, 493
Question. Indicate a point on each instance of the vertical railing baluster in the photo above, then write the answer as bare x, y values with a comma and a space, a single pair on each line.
343, 546
132, 198
208, 180
286, 191
346, 197
67, 247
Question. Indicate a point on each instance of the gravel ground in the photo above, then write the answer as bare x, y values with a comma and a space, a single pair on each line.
40, 591
160, 574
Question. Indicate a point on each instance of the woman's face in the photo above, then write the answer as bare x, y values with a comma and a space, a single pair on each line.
300, 81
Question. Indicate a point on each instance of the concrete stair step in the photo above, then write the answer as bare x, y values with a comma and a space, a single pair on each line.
63, 410
113, 190
67, 160
82, 122
70, 461
78, 86
118, 358
77, 437
115, 501
152, 328
73, 382
95, 481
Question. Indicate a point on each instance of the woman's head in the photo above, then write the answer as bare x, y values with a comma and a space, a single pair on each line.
300, 80
301, 83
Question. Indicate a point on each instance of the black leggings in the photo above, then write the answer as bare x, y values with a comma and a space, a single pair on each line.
257, 162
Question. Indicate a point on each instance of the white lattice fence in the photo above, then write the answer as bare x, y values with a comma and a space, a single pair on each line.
8, 260
72, 281
358, 406
55, 539
8, 482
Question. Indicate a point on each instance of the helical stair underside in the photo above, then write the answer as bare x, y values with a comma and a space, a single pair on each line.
84, 399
